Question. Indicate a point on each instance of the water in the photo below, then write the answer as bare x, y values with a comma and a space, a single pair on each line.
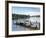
21, 28
17, 27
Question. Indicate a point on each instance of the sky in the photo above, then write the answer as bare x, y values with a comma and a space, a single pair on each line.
25, 10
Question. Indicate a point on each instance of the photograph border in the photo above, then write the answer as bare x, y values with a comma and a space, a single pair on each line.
7, 18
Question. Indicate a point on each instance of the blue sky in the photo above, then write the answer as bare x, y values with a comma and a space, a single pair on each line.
25, 10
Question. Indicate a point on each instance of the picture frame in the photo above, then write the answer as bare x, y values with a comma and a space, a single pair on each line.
14, 9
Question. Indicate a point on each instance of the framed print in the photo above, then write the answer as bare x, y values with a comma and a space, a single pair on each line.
24, 18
